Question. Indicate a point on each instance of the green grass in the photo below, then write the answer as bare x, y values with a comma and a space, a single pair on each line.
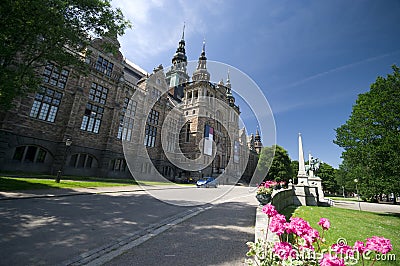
43, 182
353, 225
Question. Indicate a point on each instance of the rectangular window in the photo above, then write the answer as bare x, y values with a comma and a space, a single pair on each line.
45, 105
155, 94
153, 117
150, 136
92, 118
52, 75
98, 93
126, 120
104, 66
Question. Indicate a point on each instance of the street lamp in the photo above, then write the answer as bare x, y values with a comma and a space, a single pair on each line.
358, 195
68, 143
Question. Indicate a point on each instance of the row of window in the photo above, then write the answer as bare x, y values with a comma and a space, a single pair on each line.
35, 154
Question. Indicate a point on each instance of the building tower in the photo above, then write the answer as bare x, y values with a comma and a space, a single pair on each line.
229, 96
177, 75
257, 142
201, 73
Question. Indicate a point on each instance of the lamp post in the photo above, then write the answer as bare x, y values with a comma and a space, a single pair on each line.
68, 143
358, 195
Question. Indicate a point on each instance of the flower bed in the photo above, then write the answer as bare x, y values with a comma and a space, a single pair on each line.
297, 243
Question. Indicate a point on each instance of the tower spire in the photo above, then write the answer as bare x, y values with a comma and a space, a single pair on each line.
201, 72
180, 54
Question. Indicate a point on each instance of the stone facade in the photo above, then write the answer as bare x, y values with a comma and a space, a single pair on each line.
115, 103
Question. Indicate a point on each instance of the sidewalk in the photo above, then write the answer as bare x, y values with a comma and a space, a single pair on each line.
65, 192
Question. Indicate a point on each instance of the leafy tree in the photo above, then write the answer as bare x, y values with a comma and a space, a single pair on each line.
371, 138
275, 164
33, 32
295, 169
327, 174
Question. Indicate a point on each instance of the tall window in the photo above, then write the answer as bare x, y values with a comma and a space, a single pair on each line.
153, 117
151, 129
155, 94
54, 77
150, 137
45, 105
98, 93
32, 154
118, 165
92, 118
172, 135
126, 120
104, 66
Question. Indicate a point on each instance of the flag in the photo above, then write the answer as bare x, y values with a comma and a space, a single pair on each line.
209, 137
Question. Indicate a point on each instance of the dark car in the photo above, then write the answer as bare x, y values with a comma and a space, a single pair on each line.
207, 182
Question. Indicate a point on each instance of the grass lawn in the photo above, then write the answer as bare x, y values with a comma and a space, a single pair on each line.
47, 182
353, 225
26, 181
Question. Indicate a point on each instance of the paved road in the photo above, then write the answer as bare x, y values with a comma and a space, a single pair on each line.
370, 207
53, 230
214, 237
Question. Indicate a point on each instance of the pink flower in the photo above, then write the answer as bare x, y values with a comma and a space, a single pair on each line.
342, 249
298, 226
329, 260
359, 246
283, 250
378, 244
310, 235
278, 224
324, 223
269, 210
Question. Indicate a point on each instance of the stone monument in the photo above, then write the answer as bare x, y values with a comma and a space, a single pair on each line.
308, 190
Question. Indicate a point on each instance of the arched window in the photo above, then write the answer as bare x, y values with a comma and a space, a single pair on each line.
118, 164
82, 160
30, 154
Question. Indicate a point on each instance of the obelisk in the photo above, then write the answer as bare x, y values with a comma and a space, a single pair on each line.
301, 175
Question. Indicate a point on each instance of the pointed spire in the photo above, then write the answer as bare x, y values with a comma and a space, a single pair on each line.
228, 81
201, 72
183, 32
180, 54
302, 168
203, 51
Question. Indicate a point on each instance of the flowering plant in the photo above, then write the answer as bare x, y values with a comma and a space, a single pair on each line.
267, 187
298, 243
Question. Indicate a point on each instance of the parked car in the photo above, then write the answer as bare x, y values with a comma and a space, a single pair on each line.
207, 182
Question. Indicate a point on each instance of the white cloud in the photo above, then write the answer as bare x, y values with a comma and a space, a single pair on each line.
157, 25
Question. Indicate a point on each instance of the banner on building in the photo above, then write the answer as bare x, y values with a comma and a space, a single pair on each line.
208, 139
236, 152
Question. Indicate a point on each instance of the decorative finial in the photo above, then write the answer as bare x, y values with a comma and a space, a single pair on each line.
204, 45
228, 80
183, 31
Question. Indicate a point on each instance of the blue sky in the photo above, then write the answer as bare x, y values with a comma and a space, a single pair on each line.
311, 59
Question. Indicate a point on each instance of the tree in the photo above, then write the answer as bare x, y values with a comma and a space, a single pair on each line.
33, 32
371, 137
327, 175
275, 164
295, 169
